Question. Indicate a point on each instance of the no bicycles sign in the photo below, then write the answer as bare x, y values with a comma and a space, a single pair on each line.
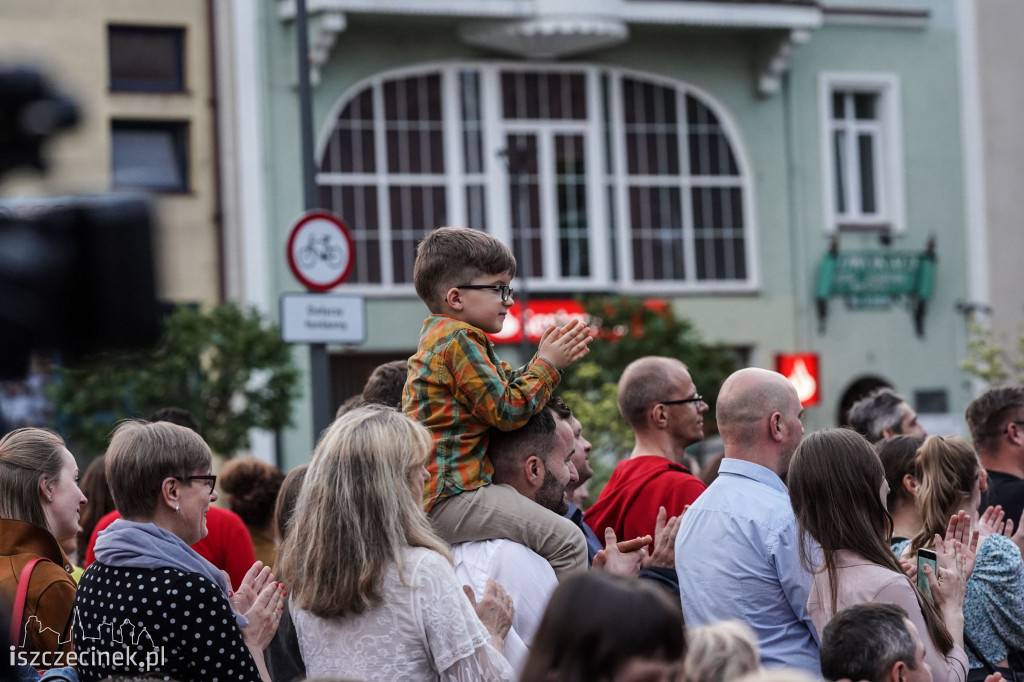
320, 250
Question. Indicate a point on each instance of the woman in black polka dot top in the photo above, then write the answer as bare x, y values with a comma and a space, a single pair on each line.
151, 605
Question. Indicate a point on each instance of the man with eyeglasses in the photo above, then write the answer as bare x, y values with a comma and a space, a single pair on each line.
996, 420
658, 399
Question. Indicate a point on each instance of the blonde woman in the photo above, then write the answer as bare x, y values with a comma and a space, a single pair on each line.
721, 652
373, 592
40, 502
952, 480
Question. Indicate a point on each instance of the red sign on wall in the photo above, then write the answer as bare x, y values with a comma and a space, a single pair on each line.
802, 370
540, 315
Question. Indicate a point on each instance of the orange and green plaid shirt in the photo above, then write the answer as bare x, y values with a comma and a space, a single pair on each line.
458, 389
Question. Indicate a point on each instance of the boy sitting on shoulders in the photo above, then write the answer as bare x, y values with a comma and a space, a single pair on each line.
459, 389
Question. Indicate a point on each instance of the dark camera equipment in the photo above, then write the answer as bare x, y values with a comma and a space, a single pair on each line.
76, 273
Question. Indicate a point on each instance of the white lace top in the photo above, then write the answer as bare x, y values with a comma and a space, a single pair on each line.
427, 632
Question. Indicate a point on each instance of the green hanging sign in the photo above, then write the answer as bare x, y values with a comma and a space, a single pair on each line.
871, 280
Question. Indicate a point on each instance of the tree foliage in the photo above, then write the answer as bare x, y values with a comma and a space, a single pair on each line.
222, 364
629, 329
991, 358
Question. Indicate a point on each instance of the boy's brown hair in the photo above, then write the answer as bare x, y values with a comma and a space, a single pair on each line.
450, 256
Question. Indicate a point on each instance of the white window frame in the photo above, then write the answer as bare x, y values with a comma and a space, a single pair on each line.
891, 195
495, 130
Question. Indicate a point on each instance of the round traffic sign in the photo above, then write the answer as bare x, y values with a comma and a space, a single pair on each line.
320, 250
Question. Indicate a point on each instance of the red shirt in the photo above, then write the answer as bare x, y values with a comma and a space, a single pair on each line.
638, 487
227, 544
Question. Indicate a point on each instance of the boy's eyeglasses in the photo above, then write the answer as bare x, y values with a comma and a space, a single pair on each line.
506, 290
695, 399
210, 480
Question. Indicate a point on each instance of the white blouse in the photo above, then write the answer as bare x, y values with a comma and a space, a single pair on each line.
425, 629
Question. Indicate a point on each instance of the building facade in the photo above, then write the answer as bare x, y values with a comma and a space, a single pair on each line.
142, 75
719, 155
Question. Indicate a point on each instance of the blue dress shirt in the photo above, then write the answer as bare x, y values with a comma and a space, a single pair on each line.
594, 544
738, 556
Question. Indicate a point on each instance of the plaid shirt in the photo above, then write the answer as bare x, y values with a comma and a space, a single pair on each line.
458, 389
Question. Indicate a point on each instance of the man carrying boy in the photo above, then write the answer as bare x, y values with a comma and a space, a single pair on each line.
459, 389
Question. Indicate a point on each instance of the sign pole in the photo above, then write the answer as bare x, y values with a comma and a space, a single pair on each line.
319, 371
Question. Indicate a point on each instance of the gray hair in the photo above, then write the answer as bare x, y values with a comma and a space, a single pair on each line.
878, 411
863, 642
142, 455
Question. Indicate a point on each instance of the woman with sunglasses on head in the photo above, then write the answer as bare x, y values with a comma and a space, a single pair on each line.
838, 489
952, 479
40, 504
148, 581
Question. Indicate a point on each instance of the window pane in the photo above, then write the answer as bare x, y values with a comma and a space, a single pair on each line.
472, 127
866, 153
415, 211
571, 192
652, 131
838, 99
351, 149
149, 155
146, 58
718, 233
476, 207
839, 157
864, 104
412, 115
710, 151
524, 197
357, 206
656, 233
543, 95
613, 230
606, 119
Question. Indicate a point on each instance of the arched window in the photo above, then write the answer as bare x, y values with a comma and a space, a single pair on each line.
597, 178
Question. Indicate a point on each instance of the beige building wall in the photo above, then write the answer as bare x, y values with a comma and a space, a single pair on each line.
1000, 62
67, 39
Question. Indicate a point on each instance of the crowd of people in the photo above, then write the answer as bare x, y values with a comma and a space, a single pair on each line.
437, 534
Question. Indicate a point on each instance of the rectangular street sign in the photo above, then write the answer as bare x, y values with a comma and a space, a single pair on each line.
323, 318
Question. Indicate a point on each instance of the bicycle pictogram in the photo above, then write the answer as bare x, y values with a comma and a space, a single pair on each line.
320, 248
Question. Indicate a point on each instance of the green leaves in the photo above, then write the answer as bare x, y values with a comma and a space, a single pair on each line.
991, 358
632, 328
223, 364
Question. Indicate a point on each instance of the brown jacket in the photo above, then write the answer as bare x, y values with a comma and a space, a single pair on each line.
51, 590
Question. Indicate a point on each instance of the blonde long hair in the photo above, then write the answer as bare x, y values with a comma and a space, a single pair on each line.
948, 468
357, 513
722, 651
27, 456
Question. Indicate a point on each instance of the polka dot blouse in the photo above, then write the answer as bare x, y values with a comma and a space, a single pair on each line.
146, 621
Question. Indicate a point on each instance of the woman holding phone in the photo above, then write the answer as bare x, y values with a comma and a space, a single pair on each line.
838, 489
952, 479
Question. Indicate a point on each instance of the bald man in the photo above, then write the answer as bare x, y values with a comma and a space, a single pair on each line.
737, 552
659, 400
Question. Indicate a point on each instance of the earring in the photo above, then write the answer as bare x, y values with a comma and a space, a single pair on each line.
50, 498
177, 509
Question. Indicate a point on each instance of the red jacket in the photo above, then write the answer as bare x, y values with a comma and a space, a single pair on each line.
227, 544
638, 487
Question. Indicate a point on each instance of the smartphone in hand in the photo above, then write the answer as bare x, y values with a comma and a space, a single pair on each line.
926, 557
